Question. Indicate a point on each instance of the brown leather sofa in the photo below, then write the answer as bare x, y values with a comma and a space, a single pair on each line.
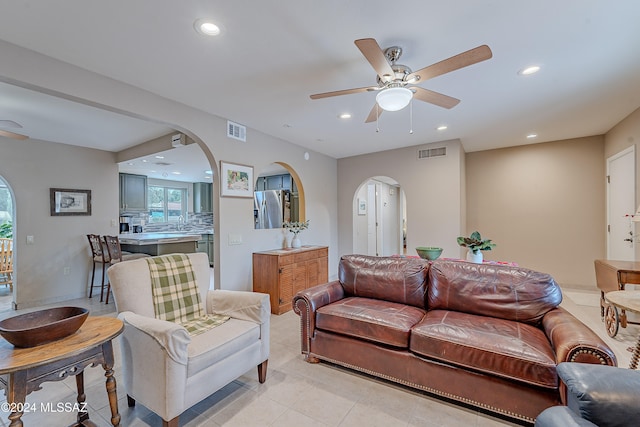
485, 335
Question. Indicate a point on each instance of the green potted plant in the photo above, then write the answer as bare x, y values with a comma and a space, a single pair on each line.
476, 244
6, 230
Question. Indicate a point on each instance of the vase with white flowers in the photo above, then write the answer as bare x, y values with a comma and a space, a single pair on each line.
296, 227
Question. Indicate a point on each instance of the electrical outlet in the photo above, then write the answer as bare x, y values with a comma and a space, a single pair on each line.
30, 240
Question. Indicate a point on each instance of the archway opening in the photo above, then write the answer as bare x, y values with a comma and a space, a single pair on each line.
278, 197
379, 217
7, 246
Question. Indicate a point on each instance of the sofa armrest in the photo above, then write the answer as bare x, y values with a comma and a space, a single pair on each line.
306, 302
573, 341
251, 306
604, 395
172, 337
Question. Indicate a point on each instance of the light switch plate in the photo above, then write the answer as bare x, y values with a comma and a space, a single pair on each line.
235, 239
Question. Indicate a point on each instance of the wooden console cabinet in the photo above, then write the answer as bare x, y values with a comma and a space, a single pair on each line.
281, 273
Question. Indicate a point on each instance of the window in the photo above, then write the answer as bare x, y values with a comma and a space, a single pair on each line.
166, 204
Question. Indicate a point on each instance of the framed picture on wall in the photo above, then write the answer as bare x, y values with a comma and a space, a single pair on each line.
65, 202
236, 180
362, 206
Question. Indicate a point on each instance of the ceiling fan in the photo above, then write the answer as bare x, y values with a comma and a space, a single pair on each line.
396, 82
9, 134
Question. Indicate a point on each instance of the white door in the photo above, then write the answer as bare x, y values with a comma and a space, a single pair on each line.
621, 174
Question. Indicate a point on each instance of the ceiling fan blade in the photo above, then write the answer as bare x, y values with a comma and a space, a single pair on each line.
343, 92
464, 59
435, 98
374, 113
12, 134
371, 50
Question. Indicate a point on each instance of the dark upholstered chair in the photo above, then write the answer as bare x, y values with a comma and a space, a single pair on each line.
597, 395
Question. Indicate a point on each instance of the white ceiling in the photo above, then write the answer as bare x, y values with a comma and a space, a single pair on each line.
273, 54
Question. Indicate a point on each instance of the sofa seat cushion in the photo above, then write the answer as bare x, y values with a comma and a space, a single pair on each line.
219, 343
370, 319
490, 345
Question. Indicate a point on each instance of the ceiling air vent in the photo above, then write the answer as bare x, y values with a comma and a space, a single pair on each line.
236, 131
432, 152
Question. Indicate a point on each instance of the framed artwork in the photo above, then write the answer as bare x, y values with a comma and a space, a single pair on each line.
236, 180
65, 202
362, 206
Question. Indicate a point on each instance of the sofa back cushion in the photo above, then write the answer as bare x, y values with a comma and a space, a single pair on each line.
395, 279
500, 291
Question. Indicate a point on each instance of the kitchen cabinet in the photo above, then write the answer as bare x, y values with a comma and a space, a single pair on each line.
133, 192
202, 197
205, 245
281, 273
274, 182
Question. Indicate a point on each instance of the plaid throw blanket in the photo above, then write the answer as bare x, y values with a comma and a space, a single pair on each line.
175, 294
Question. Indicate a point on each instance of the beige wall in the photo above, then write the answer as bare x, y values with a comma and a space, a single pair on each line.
543, 204
622, 136
232, 216
30, 168
433, 190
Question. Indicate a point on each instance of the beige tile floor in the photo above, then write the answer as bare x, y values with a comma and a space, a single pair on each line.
296, 393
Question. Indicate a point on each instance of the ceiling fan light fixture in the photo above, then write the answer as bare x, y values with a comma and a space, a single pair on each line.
394, 98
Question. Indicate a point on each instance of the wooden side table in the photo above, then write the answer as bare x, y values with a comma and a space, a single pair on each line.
23, 370
627, 300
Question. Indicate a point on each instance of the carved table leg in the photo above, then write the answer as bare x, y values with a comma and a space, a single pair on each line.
82, 415
107, 352
16, 396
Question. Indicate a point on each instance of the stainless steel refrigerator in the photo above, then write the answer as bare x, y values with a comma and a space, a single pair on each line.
271, 208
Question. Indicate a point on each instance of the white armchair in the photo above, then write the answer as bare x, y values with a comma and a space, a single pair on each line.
165, 368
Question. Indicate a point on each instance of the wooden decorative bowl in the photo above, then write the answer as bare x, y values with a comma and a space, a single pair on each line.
41, 327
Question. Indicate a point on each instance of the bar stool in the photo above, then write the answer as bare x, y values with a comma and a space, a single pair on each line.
116, 255
99, 255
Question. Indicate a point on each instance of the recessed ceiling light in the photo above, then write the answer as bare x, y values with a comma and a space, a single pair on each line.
532, 135
529, 70
176, 173
345, 116
159, 157
208, 172
145, 161
443, 127
206, 27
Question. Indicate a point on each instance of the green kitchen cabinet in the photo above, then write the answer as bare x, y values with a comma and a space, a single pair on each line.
133, 192
202, 197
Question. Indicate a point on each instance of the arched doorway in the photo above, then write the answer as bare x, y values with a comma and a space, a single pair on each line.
379, 217
7, 227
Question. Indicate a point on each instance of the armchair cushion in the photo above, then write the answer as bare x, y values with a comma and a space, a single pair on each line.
219, 343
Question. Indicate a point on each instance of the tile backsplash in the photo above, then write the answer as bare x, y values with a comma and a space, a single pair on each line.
198, 222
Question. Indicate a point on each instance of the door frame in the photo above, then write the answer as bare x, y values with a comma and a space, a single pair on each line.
629, 150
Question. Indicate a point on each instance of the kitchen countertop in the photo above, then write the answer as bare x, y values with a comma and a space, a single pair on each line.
156, 238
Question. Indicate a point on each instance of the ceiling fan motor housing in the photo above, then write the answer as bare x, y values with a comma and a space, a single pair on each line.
399, 77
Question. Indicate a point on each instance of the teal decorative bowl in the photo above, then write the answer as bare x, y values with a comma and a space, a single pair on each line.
429, 252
